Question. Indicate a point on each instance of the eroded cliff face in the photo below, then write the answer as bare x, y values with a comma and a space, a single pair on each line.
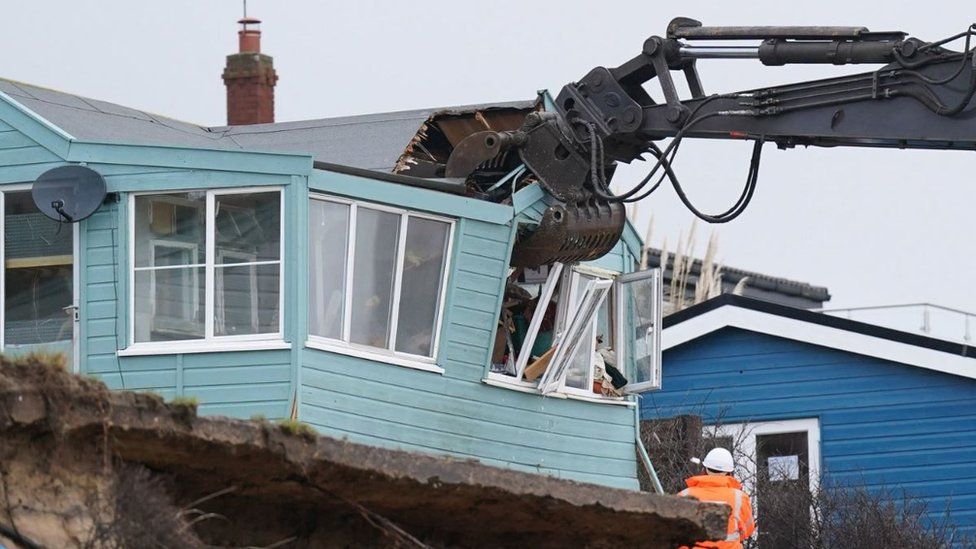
84, 467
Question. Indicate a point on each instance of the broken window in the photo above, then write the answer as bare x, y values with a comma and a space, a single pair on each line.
38, 271
564, 325
376, 277
206, 265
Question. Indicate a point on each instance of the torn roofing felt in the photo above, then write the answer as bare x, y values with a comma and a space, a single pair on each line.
380, 142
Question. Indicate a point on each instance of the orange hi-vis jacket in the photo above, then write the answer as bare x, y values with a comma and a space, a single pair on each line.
727, 490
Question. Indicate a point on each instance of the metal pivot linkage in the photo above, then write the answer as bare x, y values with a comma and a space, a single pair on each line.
919, 99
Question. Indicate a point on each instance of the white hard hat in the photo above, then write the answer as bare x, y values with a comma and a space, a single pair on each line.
719, 459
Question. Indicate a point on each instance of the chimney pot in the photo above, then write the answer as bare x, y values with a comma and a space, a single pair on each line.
249, 39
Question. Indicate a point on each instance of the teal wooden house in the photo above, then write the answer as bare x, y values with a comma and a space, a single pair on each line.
305, 270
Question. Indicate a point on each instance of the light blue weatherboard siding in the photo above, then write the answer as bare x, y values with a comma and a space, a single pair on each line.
237, 384
455, 413
881, 423
368, 401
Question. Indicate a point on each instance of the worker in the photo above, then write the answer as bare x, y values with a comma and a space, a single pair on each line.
716, 485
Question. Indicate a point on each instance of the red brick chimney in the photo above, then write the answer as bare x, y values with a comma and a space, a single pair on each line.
250, 79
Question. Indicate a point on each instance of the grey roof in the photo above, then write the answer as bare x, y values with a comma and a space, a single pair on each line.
369, 141
760, 286
372, 141
93, 120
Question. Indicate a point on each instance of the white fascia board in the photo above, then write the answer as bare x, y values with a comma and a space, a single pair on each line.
817, 334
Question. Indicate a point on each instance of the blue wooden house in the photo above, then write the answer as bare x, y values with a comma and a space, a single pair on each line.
299, 270
808, 396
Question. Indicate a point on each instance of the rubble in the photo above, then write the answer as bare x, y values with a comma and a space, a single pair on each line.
63, 438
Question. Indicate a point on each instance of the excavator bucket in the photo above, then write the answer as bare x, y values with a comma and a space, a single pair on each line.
571, 232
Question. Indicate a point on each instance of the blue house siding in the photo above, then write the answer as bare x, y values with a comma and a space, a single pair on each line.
236, 384
882, 424
456, 413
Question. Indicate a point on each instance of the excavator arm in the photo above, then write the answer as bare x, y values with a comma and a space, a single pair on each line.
919, 98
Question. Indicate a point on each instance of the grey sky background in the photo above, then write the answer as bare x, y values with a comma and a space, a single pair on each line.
874, 226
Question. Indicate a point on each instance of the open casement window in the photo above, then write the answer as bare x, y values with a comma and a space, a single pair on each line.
206, 266
638, 340
377, 278
575, 342
623, 327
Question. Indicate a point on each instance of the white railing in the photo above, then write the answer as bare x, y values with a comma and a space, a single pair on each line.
921, 318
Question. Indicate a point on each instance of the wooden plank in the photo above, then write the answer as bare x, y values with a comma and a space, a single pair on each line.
272, 410
484, 247
468, 354
463, 443
477, 282
244, 374
235, 359
464, 409
12, 139
477, 301
101, 273
27, 155
247, 392
442, 385
42, 261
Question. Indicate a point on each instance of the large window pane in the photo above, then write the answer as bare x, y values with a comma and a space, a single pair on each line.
375, 263
638, 301
579, 375
176, 220
248, 227
246, 299
38, 263
169, 304
328, 246
423, 267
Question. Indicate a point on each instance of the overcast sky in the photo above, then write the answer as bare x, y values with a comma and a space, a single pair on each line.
875, 226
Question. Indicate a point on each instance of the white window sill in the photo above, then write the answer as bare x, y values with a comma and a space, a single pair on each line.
189, 347
358, 352
512, 384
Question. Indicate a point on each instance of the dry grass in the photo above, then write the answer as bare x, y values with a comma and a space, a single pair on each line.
681, 262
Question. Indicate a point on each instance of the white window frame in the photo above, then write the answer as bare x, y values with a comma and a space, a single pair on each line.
210, 342
572, 337
656, 325
574, 282
746, 434
193, 303
561, 275
248, 260
389, 354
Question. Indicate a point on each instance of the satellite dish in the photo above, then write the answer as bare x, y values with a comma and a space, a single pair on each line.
69, 194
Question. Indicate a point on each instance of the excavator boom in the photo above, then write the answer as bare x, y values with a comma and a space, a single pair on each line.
918, 98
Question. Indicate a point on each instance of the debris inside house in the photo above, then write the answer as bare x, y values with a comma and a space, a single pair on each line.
525, 345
